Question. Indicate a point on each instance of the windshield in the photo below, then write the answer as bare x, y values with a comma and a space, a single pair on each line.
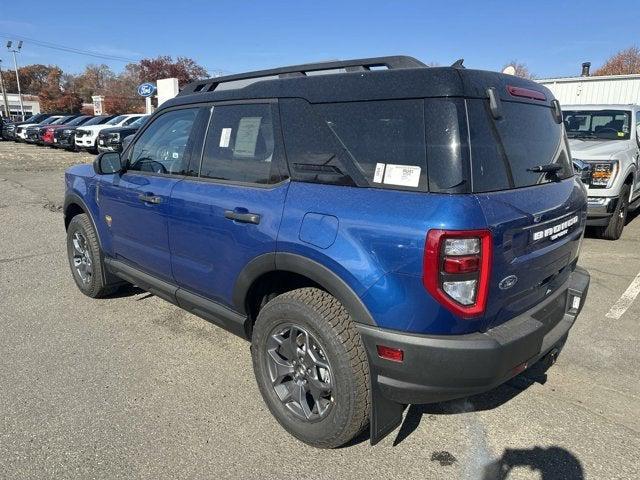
77, 121
139, 122
94, 121
60, 121
50, 120
598, 124
115, 121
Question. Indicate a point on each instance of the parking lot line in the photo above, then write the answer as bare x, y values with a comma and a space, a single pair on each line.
625, 300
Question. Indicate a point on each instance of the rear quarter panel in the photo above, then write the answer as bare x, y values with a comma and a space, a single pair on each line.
379, 246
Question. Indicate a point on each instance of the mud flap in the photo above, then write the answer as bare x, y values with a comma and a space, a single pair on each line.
385, 415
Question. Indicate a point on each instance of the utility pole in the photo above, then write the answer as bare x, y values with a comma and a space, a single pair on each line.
4, 94
15, 64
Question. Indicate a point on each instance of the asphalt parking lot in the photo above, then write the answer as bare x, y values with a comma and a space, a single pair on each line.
133, 387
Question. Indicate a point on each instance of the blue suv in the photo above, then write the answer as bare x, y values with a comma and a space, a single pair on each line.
383, 233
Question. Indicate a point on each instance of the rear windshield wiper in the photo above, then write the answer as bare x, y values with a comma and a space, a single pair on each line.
548, 168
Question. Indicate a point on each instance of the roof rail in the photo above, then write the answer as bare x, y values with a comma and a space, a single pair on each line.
360, 64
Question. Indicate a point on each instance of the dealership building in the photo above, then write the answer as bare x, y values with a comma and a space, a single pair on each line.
589, 90
30, 102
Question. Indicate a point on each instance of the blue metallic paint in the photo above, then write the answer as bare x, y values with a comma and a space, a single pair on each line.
378, 247
208, 251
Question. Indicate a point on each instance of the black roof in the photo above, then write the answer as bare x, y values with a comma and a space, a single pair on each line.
360, 79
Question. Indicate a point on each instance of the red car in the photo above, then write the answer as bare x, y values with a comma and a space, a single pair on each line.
46, 133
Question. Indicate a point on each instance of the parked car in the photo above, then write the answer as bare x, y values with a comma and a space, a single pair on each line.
47, 134
41, 131
110, 139
31, 134
338, 223
2, 123
65, 137
87, 136
607, 137
20, 128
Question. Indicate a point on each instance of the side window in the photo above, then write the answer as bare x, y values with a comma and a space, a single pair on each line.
130, 120
385, 139
162, 146
240, 145
637, 128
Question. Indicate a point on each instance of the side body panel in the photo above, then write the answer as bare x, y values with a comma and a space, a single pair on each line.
379, 246
208, 250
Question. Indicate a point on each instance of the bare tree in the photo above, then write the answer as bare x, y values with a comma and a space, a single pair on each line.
624, 62
521, 69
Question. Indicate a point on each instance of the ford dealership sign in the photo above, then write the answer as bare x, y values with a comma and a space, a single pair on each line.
146, 89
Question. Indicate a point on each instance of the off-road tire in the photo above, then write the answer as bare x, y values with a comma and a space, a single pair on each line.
96, 286
613, 230
324, 317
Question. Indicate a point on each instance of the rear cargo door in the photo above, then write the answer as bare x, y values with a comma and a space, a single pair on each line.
537, 218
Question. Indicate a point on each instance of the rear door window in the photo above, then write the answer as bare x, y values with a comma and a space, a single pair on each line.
504, 151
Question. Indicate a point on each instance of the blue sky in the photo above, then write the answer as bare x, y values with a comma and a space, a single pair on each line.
552, 37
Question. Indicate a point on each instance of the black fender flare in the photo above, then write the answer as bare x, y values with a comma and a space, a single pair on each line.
291, 262
70, 198
385, 414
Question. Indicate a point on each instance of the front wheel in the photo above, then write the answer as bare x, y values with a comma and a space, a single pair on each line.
613, 230
83, 250
311, 367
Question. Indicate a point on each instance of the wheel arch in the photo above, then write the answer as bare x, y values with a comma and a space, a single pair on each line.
301, 271
74, 205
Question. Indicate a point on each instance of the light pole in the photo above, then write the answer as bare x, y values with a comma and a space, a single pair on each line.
4, 94
15, 65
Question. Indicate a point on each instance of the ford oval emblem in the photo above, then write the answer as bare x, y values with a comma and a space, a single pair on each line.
507, 282
146, 89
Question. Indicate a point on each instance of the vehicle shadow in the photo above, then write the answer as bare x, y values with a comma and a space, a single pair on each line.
553, 463
129, 291
484, 401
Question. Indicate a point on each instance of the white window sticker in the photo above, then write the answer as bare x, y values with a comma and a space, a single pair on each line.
247, 137
225, 136
404, 175
377, 176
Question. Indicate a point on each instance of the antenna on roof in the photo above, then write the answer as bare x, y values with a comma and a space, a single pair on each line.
458, 63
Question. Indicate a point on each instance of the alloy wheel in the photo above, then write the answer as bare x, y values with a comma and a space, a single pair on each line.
82, 258
300, 373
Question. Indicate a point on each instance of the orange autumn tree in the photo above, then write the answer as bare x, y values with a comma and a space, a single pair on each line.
624, 62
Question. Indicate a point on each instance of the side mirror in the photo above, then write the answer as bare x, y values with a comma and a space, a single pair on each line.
107, 163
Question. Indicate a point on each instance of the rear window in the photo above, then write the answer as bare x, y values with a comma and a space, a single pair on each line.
504, 151
384, 139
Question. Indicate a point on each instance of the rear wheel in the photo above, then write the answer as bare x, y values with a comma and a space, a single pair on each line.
83, 251
311, 367
613, 230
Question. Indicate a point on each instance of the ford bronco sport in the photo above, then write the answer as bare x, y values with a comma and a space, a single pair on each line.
382, 232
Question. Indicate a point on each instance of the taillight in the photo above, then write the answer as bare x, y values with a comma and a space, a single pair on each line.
457, 268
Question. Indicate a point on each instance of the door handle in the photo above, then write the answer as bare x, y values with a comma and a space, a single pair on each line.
149, 198
244, 217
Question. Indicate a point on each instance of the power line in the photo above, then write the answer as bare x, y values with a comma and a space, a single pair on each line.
53, 46
64, 48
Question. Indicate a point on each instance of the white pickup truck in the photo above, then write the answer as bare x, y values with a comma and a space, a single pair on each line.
606, 137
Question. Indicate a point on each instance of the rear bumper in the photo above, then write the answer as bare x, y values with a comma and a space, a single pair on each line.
600, 209
439, 368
